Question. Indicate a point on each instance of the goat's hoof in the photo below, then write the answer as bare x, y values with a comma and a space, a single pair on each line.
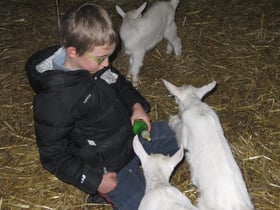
168, 52
178, 53
135, 84
129, 77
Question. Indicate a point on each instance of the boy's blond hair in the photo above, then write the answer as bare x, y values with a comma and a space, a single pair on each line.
86, 26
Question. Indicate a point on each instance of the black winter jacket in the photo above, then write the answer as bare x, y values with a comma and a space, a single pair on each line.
82, 121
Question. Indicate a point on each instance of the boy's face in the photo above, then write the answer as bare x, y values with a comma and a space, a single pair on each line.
92, 61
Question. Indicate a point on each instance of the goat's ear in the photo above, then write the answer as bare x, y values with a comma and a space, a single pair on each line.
201, 92
138, 149
120, 11
174, 90
177, 157
141, 8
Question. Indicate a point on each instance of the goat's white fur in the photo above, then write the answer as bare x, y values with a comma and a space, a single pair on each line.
159, 193
213, 168
141, 33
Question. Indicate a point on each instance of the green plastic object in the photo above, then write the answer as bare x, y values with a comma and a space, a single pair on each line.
140, 128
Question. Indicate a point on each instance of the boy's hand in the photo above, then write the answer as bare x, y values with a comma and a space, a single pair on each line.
108, 183
139, 113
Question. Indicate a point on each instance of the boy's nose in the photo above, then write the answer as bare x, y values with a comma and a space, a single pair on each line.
105, 62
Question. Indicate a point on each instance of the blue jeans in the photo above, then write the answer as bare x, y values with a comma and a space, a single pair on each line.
131, 181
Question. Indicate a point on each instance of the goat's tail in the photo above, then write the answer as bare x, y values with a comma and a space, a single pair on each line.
174, 3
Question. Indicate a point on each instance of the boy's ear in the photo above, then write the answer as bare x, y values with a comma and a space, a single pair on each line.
71, 52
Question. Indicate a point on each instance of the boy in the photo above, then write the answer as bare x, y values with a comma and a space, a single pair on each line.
84, 110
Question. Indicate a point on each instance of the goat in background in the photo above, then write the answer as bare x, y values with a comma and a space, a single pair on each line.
141, 33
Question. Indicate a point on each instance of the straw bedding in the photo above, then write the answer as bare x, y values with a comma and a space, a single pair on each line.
235, 43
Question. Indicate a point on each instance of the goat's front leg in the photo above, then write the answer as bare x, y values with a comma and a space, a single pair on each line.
135, 62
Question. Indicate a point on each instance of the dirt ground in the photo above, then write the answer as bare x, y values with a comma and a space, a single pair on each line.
236, 43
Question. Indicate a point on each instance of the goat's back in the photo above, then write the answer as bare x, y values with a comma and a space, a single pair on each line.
147, 31
213, 167
159, 9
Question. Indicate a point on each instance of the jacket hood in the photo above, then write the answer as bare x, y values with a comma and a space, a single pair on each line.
42, 76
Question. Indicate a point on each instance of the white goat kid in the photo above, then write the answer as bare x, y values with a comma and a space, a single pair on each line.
159, 193
213, 168
141, 33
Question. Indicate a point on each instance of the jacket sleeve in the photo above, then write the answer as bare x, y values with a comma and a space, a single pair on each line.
53, 126
128, 94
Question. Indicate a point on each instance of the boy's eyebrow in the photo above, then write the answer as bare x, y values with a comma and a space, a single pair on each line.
105, 54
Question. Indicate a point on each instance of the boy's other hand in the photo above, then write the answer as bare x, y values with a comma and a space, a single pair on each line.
108, 183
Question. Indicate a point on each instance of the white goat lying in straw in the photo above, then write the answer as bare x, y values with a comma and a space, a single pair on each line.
213, 168
140, 34
160, 195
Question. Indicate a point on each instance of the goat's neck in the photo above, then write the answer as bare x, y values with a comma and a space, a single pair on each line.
156, 181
